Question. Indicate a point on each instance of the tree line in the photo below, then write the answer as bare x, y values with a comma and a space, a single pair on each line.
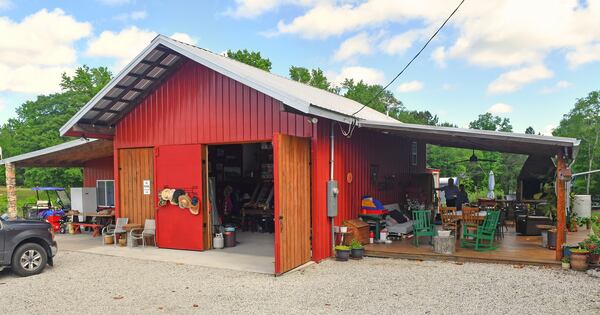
37, 122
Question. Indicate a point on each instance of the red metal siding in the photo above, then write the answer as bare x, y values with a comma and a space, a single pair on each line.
355, 155
97, 169
199, 105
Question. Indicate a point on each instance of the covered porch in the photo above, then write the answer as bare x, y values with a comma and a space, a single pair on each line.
513, 247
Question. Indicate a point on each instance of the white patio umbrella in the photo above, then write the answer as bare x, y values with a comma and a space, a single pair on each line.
491, 184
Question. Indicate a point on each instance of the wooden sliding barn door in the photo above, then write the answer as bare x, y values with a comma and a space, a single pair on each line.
291, 157
135, 167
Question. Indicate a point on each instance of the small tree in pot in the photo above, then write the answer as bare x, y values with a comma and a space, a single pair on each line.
357, 249
342, 253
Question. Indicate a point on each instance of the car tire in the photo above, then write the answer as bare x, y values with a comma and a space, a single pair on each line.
29, 259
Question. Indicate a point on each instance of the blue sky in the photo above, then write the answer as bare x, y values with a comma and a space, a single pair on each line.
501, 56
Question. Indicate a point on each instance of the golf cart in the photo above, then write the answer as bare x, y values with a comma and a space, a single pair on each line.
51, 205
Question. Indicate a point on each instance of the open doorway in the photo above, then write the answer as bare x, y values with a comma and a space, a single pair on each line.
241, 193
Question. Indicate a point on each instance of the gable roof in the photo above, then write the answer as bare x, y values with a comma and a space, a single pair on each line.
164, 55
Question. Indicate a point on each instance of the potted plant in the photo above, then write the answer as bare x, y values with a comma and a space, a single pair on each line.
357, 249
566, 263
587, 221
592, 244
579, 259
342, 253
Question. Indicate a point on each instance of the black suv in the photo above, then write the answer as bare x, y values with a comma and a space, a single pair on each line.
26, 246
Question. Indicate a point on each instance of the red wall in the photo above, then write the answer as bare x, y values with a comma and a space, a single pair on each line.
355, 155
199, 105
97, 169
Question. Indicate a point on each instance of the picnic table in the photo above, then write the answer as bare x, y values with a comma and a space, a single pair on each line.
102, 220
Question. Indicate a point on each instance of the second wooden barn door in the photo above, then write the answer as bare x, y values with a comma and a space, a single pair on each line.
291, 156
135, 201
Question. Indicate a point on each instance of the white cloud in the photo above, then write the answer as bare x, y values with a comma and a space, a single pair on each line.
5, 4
400, 43
356, 45
513, 80
562, 84
254, 8
411, 86
494, 33
126, 44
35, 51
367, 75
183, 37
132, 16
500, 108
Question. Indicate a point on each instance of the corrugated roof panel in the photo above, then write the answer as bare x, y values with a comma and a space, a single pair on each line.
90, 115
127, 80
143, 84
154, 55
103, 103
118, 106
140, 68
169, 60
156, 72
106, 117
114, 92
131, 95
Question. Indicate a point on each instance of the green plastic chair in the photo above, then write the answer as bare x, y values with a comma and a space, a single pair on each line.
422, 225
484, 240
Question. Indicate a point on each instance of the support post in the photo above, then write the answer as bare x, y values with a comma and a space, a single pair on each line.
561, 216
11, 191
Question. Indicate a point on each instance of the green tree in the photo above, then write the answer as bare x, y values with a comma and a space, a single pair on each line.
252, 58
37, 122
583, 122
488, 121
314, 77
530, 131
418, 117
367, 94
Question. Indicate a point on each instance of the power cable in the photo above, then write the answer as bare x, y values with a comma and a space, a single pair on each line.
351, 128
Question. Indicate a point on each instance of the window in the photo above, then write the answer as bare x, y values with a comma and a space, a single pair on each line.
105, 193
414, 149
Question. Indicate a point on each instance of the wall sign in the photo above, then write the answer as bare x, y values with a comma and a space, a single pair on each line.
146, 187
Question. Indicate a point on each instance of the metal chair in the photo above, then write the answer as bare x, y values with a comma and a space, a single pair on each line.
149, 230
114, 230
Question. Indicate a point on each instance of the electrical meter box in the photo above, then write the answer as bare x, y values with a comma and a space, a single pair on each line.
332, 198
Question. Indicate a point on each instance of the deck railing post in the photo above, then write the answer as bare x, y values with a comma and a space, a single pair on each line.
561, 217
11, 191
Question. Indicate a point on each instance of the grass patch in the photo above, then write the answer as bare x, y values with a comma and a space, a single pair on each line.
24, 196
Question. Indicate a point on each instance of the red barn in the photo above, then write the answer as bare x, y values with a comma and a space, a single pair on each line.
245, 142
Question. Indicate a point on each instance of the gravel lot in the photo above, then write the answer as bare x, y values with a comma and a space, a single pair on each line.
89, 283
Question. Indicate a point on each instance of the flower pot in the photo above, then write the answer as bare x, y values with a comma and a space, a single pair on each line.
594, 258
342, 255
566, 265
357, 253
579, 261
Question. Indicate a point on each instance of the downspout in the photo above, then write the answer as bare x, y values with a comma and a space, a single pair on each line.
331, 161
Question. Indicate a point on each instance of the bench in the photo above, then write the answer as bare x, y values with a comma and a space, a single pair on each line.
95, 227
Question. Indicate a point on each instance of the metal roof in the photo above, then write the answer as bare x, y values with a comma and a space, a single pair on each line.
164, 55
69, 154
479, 139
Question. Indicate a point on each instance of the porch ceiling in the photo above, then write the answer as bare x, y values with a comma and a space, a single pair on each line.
480, 139
69, 154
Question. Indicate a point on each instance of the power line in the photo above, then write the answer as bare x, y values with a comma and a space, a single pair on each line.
411, 61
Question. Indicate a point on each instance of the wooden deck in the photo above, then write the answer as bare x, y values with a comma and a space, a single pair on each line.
513, 249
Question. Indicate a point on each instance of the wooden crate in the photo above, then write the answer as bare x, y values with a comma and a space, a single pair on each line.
359, 230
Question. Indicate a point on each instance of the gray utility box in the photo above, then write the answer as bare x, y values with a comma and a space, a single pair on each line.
332, 198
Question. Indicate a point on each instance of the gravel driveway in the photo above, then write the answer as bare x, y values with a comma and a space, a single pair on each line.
89, 283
